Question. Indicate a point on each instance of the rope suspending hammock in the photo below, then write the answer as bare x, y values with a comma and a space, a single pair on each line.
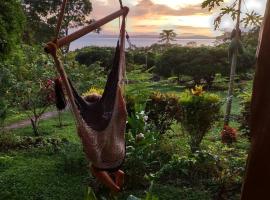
100, 123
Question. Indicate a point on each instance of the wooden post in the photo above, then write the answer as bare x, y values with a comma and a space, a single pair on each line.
257, 180
78, 34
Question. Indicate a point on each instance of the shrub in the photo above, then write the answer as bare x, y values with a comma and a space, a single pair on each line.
137, 121
245, 114
130, 104
163, 110
189, 170
208, 62
9, 141
90, 55
143, 157
200, 111
3, 113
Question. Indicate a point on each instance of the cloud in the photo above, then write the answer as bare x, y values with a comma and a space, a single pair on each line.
147, 7
180, 30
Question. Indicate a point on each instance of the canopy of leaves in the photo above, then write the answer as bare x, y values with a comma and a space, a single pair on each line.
248, 18
201, 62
42, 17
167, 36
11, 25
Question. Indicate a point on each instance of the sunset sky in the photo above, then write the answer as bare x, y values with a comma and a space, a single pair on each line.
149, 17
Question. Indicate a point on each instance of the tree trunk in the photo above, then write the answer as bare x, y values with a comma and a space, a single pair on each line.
34, 123
68, 45
256, 184
233, 69
60, 119
230, 92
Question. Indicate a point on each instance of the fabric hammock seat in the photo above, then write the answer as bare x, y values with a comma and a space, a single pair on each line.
103, 121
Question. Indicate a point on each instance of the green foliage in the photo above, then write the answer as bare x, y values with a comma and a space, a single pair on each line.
167, 36
181, 61
209, 61
90, 55
74, 160
211, 4
85, 77
143, 158
249, 19
3, 112
12, 22
33, 88
137, 120
10, 142
245, 113
199, 114
142, 56
252, 19
189, 170
90, 195
42, 18
163, 110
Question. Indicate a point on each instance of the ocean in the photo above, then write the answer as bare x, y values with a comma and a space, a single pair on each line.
110, 41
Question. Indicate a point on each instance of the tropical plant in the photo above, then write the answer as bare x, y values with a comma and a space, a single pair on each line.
90, 55
42, 17
33, 91
200, 111
163, 110
12, 22
245, 113
167, 36
248, 19
3, 112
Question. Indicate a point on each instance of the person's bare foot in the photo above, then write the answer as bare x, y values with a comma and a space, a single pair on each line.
106, 179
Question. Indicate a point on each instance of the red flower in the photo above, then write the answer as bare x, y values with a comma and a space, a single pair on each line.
228, 135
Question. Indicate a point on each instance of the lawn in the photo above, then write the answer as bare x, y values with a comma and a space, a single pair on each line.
61, 172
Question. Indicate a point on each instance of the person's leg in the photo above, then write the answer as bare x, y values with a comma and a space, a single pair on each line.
119, 178
105, 178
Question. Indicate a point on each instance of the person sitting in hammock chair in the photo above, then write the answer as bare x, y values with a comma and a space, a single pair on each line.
113, 178
103, 129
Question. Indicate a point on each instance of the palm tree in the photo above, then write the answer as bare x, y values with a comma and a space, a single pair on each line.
167, 36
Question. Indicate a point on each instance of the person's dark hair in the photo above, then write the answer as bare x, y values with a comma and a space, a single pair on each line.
92, 98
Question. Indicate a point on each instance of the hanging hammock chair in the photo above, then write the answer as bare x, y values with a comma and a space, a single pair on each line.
100, 124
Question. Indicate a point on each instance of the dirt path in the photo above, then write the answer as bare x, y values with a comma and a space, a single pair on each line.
24, 123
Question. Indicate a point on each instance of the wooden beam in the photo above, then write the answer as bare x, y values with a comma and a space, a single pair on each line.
257, 180
80, 33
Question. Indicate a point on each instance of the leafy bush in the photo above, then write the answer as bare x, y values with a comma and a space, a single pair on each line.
12, 22
207, 62
245, 114
137, 121
130, 104
9, 141
163, 110
188, 170
90, 55
3, 112
200, 111
143, 158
